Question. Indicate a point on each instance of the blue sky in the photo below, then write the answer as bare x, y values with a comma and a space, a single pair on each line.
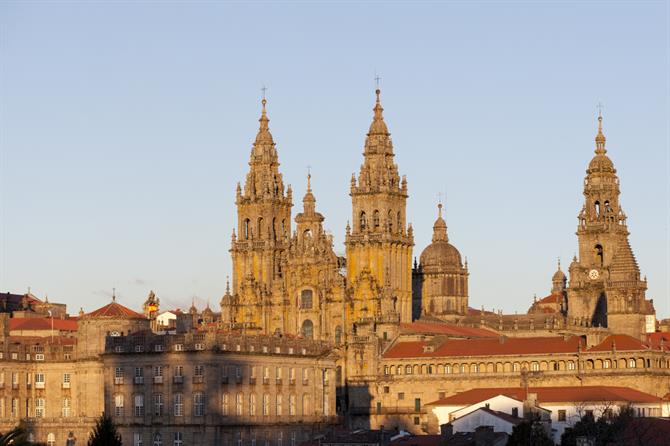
125, 127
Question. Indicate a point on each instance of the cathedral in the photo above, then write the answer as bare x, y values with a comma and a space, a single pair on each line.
288, 280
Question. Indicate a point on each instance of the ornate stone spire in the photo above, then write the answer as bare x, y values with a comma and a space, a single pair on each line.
600, 137
264, 144
440, 227
378, 126
308, 201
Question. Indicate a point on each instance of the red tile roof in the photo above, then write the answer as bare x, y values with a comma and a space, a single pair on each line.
621, 342
58, 340
115, 310
551, 299
659, 340
42, 323
551, 395
448, 329
485, 347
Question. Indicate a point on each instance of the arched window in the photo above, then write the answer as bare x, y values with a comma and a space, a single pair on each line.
361, 221
274, 229
260, 227
390, 221
307, 329
338, 335
306, 299
51, 439
598, 251
247, 229
158, 439
375, 219
631, 363
597, 208
307, 233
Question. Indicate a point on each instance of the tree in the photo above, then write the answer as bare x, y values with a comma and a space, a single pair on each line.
105, 433
607, 430
16, 437
529, 433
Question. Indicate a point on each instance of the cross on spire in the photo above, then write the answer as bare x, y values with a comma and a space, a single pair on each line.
264, 89
599, 106
377, 79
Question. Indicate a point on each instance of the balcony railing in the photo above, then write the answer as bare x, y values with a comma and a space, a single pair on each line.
252, 380
139, 380
198, 379
118, 380
178, 379
66, 385
158, 380
39, 385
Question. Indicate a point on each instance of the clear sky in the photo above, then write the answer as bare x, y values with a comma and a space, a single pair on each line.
125, 127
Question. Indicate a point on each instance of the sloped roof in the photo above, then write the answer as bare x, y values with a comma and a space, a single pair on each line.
621, 342
448, 329
624, 266
42, 323
551, 299
485, 347
502, 415
659, 340
114, 310
568, 394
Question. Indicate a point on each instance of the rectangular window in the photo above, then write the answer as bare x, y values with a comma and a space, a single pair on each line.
158, 404
139, 405
379, 408
198, 404
279, 405
15, 380
39, 380
118, 405
561, 415
15, 407
137, 439
66, 380
441, 395
178, 405
179, 370
67, 403
118, 375
178, 441
238, 404
417, 421
158, 374
417, 404
198, 373
387, 389
39, 407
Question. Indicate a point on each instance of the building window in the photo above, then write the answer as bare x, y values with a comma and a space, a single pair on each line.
375, 218
178, 441
51, 439
306, 299
631, 363
139, 405
178, 405
386, 389
252, 404
516, 367
291, 405
158, 439
224, 404
66, 380
198, 404
279, 404
417, 404
118, 375
158, 404
447, 369
305, 404
137, 439
606, 364
561, 415
39, 407
239, 404
39, 380
535, 367
417, 421
118, 405
338, 335
571, 365
266, 404
401, 395
362, 221
66, 407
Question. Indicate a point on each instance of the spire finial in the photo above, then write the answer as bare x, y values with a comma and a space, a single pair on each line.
309, 178
559, 263
439, 210
600, 137
227, 284
113, 294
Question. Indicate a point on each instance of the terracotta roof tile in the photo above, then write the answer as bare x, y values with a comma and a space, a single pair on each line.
484, 347
115, 310
551, 395
621, 342
448, 329
551, 299
42, 323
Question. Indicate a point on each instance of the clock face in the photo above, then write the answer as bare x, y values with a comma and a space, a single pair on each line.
594, 274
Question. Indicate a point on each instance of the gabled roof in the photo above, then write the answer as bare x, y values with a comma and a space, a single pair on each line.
621, 342
448, 329
502, 415
551, 299
42, 323
659, 340
551, 395
114, 310
484, 347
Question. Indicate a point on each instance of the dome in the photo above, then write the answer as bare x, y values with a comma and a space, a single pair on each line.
558, 275
601, 163
441, 254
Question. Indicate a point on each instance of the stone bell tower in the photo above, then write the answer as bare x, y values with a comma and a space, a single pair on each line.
263, 232
379, 244
605, 286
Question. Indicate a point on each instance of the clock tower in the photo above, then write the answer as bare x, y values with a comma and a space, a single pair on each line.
605, 286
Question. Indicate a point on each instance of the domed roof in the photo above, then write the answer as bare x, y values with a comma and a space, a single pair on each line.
601, 162
440, 253
558, 275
